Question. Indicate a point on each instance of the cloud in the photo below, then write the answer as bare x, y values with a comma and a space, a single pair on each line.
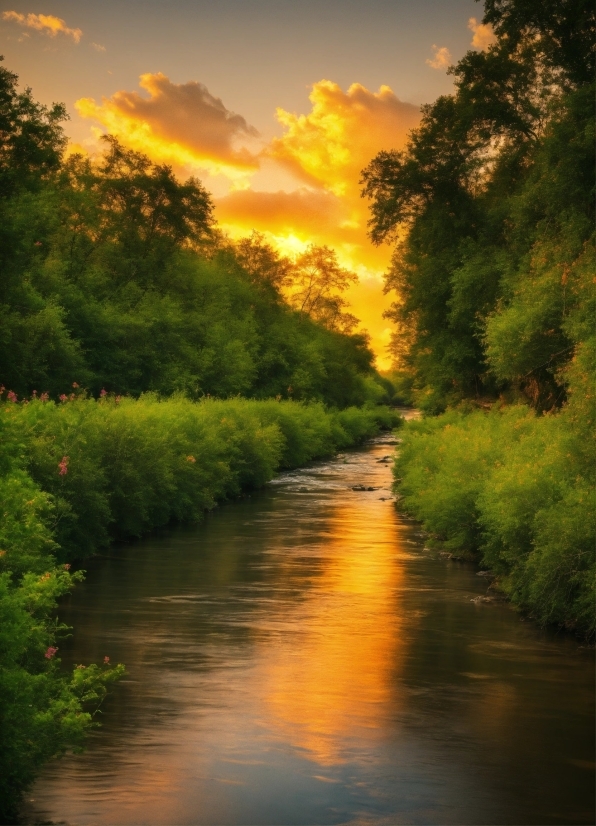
303, 212
484, 35
441, 59
46, 23
331, 145
98, 47
181, 124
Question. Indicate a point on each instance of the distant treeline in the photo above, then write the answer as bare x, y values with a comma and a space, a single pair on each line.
492, 203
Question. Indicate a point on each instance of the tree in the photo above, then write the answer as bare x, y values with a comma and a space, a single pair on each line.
262, 262
316, 280
457, 201
31, 137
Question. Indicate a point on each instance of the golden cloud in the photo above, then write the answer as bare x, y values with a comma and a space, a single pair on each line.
180, 124
46, 23
441, 58
331, 145
484, 35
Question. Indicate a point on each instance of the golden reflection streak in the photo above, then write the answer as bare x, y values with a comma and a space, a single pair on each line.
333, 685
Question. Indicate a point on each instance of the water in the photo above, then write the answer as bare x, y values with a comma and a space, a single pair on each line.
301, 658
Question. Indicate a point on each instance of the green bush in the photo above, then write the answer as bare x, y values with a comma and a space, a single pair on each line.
516, 490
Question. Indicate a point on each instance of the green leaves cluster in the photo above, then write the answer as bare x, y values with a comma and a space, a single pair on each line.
43, 710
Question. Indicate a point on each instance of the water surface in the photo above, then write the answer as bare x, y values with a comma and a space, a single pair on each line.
301, 658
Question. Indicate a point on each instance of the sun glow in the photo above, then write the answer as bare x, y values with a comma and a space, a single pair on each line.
324, 151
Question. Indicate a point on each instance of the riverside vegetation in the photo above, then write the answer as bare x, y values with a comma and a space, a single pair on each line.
492, 204
207, 366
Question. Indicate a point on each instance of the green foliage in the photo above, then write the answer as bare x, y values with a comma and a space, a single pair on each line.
117, 467
517, 490
43, 712
492, 201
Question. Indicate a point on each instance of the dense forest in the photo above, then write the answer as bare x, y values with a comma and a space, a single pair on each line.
150, 369
491, 206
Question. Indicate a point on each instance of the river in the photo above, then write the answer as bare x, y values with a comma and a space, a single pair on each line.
302, 658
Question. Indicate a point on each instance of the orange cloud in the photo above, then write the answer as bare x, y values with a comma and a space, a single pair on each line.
484, 35
441, 59
46, 23
180, 124
331, 145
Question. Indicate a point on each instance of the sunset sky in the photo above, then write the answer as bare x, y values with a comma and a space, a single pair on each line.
276, 105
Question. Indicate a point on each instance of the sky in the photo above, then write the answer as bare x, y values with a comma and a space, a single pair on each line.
276, 105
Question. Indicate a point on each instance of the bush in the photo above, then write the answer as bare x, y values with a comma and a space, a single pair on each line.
517, 491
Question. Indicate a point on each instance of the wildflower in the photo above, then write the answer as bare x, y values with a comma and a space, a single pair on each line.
63, 466
34, 394
63, 397
38, 244
103, 392
78, 667
50, 652
66, 566
191, 459
72, 397
44, 397
12, 397
106, 660
75, 384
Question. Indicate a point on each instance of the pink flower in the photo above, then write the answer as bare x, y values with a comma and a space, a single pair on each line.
66, 566
44, 397
12, 397
103, 392
106, 660
75, 384
34, 394
50, 652
63, 397
63, 466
